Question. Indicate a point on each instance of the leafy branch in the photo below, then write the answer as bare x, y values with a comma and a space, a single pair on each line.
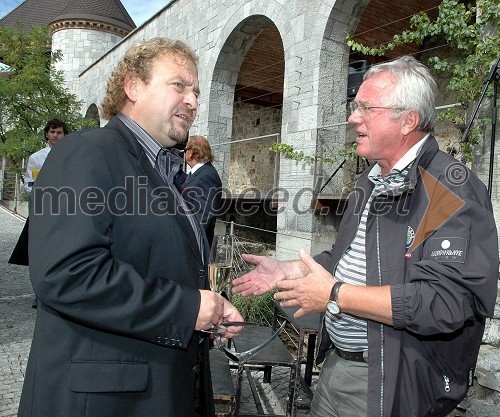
289, 151
32, 92
472, 33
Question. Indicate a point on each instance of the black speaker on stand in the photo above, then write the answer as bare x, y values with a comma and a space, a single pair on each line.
356, 71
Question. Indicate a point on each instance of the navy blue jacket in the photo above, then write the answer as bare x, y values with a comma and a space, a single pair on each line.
202, 190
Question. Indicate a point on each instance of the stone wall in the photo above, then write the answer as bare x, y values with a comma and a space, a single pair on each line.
483, 399
252, 164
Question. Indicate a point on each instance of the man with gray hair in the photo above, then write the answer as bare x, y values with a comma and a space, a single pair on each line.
413, 273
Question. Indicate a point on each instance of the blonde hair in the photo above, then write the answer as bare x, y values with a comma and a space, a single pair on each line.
201, 148
138, 61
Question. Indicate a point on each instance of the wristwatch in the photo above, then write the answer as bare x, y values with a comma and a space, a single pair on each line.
332, 306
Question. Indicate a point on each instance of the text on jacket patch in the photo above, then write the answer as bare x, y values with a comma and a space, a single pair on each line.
449, 249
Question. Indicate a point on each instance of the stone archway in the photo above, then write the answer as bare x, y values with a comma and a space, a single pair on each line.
257, 114
93, 113
246, 101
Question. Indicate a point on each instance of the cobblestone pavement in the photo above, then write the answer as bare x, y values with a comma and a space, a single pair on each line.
273, 395
17, 320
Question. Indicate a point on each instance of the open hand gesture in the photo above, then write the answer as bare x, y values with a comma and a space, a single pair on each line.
260, 280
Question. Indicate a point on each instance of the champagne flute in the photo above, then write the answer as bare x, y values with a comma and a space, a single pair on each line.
220, 262
219, 269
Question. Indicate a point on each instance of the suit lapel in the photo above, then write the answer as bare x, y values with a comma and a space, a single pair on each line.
188, 180
161, 190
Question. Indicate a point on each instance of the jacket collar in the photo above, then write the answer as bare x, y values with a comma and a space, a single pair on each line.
192, 175
429, 149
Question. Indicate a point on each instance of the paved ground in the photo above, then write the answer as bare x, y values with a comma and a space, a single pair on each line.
273, 395
16, 317
16, 330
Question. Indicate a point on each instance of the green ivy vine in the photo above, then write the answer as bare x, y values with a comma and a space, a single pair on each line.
289, 151
471, 30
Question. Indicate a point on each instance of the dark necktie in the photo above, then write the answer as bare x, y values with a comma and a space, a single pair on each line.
180, 178
169, 166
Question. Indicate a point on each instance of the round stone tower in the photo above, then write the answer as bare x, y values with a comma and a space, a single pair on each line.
84, 31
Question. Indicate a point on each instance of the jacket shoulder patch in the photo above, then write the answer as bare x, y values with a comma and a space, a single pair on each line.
448, 249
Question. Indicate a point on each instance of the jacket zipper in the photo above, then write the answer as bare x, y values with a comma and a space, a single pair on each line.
440, 368
381, 325
446, 383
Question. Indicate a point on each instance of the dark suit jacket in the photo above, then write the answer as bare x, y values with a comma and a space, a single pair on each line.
202, 191
116, 270
19, 255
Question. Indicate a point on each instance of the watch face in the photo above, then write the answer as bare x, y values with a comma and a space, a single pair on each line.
333, 308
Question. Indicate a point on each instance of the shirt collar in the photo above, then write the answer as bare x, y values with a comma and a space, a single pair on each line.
150, 145
196, 167
405, 160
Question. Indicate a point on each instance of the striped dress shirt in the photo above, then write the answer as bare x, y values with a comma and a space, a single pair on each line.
168, 165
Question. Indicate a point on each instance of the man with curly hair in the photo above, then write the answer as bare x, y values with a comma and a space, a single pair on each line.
123, 302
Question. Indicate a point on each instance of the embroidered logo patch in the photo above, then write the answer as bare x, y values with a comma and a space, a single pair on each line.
442, 206
448, 249
410, 236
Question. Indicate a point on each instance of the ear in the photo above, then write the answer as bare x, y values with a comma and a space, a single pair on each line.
130, 87
409, 122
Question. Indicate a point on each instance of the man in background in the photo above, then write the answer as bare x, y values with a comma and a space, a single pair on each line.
54, 131
203, 186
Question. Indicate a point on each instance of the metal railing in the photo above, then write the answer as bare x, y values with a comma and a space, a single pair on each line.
12, 196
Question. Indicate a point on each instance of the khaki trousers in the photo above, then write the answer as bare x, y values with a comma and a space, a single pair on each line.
342, 389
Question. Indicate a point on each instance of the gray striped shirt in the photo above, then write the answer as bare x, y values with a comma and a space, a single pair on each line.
167, 164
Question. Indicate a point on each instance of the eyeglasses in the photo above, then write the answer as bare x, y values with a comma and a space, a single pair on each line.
364, 109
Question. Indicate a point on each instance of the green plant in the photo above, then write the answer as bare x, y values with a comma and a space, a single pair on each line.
289, 152
31, 93
256, 309
471, 30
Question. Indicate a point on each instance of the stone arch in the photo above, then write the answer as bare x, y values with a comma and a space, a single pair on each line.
232, 45
225, 75
93, 113
313, 91
236, 98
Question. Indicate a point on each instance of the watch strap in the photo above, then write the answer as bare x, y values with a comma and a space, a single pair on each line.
334, 295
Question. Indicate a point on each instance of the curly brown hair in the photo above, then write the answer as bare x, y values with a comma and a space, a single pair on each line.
138, 61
